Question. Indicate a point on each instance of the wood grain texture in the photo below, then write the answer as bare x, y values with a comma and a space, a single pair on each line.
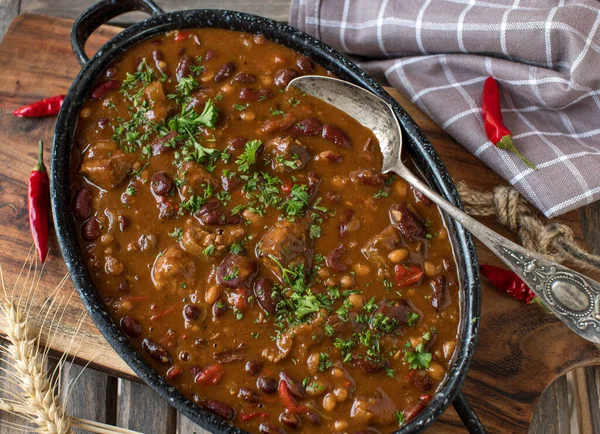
556, 409
186, 426
274, 9
8, 10
140, 409
521, 349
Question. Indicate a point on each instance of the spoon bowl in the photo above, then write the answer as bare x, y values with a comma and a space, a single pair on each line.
571, 296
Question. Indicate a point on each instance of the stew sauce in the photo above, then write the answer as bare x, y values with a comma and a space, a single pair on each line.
246, 242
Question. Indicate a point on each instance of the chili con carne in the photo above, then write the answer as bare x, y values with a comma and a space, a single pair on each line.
495, 129
46, 107
38, 200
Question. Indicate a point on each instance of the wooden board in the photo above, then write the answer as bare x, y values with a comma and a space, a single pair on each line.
521, 349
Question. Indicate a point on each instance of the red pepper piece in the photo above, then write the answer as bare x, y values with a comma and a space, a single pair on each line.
509, 282
408, 274
103, 88
209, 376
495, 129
288, 400
254, 415
181, 36
38, 202
46, 107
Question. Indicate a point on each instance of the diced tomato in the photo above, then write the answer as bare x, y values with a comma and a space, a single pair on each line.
209, 376
408, 274
181, 36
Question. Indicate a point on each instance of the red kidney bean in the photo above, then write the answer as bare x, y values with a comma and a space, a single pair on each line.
224, 72
183, 67
210, 54
313, 184
422, 382
103, 123
421, 198
267, 384
173, 372
336, 135
131, 327
277, 125
191, 312
111, 72
334, 197
219, 308
248, 395
305, 65
158, 146
220, 409
229, 182
123, 222
209, 215
370, 366
267, 428
263, 291
230, 355
313, 417
82, 203
103, 88
244, 77
367, 177
336, 260
253, 367
90, 230
406, 221
412, 411
284, 76
348, 215
156, 351
439, 287
248, 94
307, 127
161, 183
290, 419
159, 60
237, 143
235, 270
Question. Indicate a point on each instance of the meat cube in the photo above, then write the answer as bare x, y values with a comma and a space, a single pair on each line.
105, 165
236, 270
195, 178
377, 248
286, 154
173, 270
196, 240
439, 288
405, 219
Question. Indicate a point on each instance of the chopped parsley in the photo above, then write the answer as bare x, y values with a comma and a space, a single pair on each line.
177, 234
418, 358
209, 250
298, 200
324, 362
381, 193
187, 85
248, 157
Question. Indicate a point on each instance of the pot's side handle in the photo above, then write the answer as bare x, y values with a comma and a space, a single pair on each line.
100, 13
467, 415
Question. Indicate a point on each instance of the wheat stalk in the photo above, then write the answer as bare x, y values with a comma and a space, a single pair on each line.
38, 404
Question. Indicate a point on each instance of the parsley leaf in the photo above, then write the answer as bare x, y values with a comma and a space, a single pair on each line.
248, 157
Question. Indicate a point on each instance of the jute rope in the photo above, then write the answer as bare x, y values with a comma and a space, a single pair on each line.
554, 239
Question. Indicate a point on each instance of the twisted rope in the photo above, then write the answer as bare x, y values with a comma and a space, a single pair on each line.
555, 240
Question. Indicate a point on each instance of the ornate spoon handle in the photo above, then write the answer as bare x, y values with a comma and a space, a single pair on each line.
573, 297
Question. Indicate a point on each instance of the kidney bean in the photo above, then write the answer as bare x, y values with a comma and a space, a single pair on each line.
159, 61
90, 230
183, 67
276, 125
123, 222
263, 291
253, 367
313, 417
230, 355
336, 135
111, 72
210, 54
156, 351
284, 76
235, 270
267, 428
421, 198
248, 395
422, 382
248, 94
82, 203
370, 366
244, 77
219, 308
222, 217
305, 65
267, 384
161, 183
406, 221
313, 184
158, 146
191, 312
439, 287
334, 197
295, 388
290, 419
173, 372
103, 88
229, 182
103, 123
307, 127
367, 177
336, 260
220, 409
131, 327
224, 72
329, 156
412, 411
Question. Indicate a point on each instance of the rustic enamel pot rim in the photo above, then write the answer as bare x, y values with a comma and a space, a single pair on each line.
415, 142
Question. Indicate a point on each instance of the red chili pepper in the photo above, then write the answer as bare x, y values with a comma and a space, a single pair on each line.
46, 107
407, 274
38, 201
209, 376
103, 88
495, 129
288, 399
509, 282
253, 415
181, 36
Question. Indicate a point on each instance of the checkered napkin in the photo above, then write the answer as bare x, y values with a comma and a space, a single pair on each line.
544, 53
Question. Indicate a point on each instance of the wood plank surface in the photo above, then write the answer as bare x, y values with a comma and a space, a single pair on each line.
521, 349
140, 409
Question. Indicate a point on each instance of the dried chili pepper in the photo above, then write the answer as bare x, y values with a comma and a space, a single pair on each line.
509, 282
46, 107
38, 202
495, 129
254, 415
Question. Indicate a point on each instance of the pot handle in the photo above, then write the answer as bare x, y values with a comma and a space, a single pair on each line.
99, 14
467, 415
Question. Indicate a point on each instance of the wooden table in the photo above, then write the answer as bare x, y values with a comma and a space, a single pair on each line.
571, 404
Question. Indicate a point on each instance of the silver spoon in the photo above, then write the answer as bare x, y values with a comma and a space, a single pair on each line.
573, 297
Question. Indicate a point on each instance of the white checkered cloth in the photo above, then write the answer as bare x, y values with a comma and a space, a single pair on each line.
545, 55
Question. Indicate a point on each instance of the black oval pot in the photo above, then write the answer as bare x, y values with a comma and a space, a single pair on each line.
416, 144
